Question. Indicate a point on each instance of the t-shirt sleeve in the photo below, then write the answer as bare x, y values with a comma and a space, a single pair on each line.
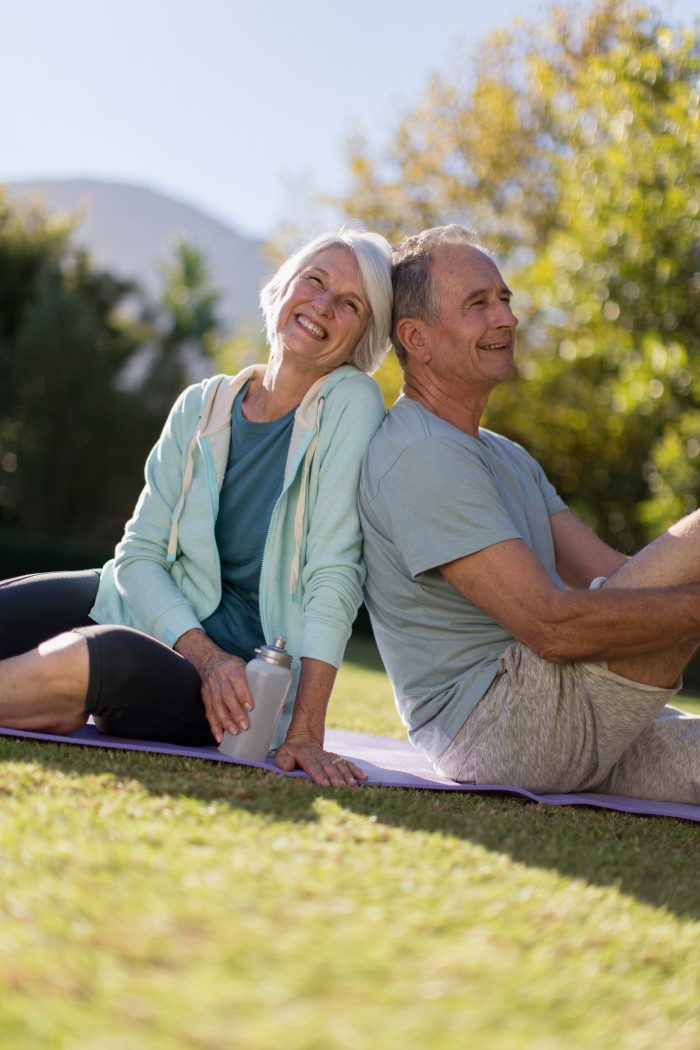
552, 500
443, 504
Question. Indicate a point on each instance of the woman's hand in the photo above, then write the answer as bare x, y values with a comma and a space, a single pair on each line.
225, 691
324, 767
303, 745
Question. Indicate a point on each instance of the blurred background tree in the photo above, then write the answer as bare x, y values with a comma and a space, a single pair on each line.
185, 328
572, 147
89, 372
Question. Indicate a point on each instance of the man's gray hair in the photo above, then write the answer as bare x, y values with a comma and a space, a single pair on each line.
373, 255
414, 292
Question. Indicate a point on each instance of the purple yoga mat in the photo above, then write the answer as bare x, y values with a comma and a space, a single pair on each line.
387, 763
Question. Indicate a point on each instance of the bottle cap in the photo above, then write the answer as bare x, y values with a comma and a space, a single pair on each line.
275, 653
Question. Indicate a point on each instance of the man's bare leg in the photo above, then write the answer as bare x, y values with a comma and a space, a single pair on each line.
44, 690
668, 561
672, 560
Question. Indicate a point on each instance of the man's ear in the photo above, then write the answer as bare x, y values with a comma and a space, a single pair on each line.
411, 334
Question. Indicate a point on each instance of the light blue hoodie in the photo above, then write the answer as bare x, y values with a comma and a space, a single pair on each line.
165, 578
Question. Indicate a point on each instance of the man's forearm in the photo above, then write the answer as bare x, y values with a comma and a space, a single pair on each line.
611, 624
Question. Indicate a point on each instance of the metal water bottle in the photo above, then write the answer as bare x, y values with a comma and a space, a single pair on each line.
269, 678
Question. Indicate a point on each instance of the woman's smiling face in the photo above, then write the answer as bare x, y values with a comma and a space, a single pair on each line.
324, 312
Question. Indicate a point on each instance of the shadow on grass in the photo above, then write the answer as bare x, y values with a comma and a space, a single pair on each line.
654, 859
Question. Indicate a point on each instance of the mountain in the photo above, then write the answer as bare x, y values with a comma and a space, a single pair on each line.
127, 230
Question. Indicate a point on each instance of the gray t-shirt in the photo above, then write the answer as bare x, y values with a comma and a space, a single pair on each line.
430, 494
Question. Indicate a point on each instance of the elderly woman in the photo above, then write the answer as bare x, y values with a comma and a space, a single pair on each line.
247, 528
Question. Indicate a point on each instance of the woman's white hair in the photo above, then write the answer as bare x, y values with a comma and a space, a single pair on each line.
373, 255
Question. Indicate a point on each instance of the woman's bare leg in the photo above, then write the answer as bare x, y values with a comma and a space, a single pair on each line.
45, 690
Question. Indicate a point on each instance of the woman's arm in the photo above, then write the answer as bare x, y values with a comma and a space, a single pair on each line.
142, 571
303, 745
332, 575
333, 571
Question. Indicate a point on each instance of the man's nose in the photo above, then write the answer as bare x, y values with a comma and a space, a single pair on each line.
505, 316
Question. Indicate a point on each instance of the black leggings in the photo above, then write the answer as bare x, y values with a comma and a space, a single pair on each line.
138, 687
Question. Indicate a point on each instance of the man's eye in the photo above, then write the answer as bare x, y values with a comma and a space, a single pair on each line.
312, 277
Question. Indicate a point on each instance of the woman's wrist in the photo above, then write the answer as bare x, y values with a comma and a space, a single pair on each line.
197, 647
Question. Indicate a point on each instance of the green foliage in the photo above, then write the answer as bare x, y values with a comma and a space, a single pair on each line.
184, 330
674, 474
575, 152
71, 441
29, 239
390, 377
72, 423
90, 370
247, 346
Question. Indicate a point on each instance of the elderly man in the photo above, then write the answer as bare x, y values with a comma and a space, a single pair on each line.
521, 648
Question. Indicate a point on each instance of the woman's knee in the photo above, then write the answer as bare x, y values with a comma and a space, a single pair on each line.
129, 669
142, 689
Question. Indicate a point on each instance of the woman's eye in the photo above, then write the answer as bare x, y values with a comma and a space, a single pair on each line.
352, 304
313, 277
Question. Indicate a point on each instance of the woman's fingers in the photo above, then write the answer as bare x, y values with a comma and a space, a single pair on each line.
324, 768
343, 771
226, 696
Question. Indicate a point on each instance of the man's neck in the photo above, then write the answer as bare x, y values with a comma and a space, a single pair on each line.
462, 412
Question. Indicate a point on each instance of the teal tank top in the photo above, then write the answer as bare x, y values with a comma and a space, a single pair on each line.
252, 485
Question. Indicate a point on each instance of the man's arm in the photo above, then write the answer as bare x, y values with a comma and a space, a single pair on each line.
581, 554
510, 583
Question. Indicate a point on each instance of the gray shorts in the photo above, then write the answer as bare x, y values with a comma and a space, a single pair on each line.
576, 727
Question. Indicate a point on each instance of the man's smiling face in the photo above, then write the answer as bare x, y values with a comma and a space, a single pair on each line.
474, 339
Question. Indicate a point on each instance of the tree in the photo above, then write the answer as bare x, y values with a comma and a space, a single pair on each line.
574, 151
80, 445
72, 442
186, 328
89, 370
29, 240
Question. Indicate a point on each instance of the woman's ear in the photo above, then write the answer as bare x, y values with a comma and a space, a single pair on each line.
411, 334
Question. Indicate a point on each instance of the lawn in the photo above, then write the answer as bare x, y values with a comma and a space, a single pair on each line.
153, 903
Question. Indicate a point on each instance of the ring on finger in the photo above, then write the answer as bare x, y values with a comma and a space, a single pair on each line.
337, 759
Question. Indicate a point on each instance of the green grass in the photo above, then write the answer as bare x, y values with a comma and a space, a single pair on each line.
150, 902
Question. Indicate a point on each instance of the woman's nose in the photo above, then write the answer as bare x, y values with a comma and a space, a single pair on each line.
324, 302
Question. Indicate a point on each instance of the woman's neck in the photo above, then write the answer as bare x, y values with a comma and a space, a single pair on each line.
276, 392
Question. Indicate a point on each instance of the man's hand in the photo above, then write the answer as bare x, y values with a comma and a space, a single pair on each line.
324, 767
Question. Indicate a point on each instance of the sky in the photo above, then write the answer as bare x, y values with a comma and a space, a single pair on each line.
239, 107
